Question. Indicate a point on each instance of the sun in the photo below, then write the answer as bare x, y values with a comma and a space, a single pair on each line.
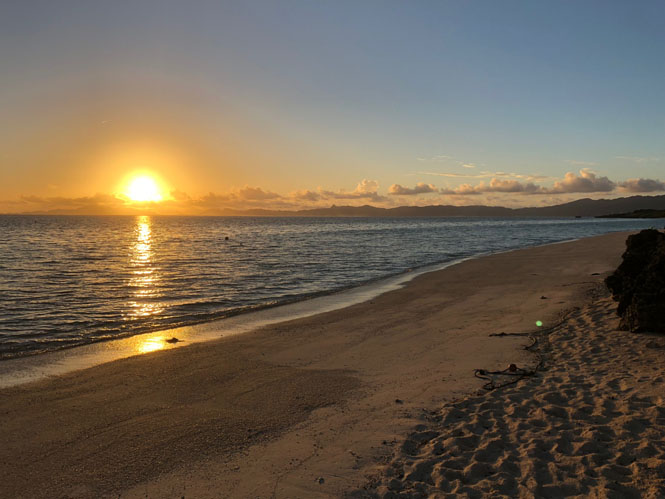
144, 188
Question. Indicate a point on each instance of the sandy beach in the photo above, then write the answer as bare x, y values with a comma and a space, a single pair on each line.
376, 399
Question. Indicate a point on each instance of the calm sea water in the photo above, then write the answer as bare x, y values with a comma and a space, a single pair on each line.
67, 281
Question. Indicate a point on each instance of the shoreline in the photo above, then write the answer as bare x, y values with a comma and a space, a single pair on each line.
275, 410
35, 367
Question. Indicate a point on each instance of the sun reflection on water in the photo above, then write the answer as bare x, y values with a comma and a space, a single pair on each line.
151, 344
144, 273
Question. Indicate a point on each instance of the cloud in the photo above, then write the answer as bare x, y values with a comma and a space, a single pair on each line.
243, 198
487, 174
637, 159
420, 188
528, 178
498, 185
366, 189
256, 193
178, 202
305, 195
577, 162
438, 157
212, 200
99, 204
464, 189
502, 188
641, 185
585, 182
495, 185
441, 158
367, 186
453, 175
179, 195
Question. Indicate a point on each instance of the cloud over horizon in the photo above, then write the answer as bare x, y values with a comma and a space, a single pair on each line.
420, 188
366, 189
641, 185
504, 189
586, 181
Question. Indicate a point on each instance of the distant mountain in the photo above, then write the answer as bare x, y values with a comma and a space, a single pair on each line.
597, 207
580, 208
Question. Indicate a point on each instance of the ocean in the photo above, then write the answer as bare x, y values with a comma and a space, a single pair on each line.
73, 280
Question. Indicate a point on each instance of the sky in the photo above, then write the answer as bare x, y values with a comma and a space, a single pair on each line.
296, 104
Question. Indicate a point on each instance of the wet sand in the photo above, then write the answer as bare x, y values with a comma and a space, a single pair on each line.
316, 407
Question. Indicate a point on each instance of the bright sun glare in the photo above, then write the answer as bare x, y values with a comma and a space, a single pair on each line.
144, 188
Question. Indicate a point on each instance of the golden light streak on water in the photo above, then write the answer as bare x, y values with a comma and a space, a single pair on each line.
151, 344
145, 274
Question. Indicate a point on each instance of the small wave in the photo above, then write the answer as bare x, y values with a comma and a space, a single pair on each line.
60, 294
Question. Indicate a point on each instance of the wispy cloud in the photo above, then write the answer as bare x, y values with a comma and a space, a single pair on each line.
487, 174
438, 157
444, 158
578, 162
638, 159
453, 175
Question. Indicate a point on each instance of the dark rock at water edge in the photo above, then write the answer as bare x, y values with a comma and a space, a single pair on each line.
639, 283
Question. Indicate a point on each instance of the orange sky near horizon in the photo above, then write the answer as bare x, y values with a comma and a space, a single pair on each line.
290, 105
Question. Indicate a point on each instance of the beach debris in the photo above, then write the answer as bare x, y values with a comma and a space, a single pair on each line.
638, 284
491, 377
172, 340
543, 297
399, 401
226, 238
321, 480
509, 334
534, 340
514, 372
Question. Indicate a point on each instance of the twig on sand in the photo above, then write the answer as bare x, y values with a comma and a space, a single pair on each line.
515, 373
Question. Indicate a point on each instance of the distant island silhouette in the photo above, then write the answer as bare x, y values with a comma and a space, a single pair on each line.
580, 208
637, 214
627, 207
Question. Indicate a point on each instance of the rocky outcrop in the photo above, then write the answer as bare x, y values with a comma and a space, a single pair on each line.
639, 283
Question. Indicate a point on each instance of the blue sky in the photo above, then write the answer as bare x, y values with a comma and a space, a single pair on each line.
313, 97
